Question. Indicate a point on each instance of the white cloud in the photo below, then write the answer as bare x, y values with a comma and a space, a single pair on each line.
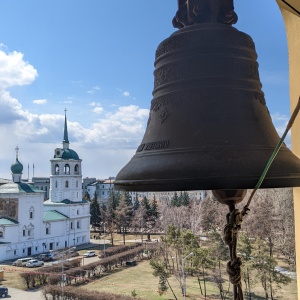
280, 122
279, 117
40, 101
14, 70
67, 102
98, 110
94, 104
126, 94
93, 90
114, 136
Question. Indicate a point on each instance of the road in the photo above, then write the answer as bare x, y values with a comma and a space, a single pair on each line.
24, 295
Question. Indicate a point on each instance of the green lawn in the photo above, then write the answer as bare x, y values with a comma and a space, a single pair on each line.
140, 278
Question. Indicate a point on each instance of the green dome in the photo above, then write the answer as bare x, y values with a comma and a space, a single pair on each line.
66, 154
17, 167
69, 154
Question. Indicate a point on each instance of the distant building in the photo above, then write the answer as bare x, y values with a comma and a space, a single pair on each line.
42, 183
4, 181
28, 224
85, 183
102, 187
167, 196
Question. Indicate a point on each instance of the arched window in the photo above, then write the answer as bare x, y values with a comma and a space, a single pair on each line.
67, 169
31, 212
76, 169
2, 228
24, 230
30, 230
56, 169
56, 184
48, 228
67, 184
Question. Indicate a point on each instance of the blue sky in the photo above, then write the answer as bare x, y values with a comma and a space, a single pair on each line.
95, 58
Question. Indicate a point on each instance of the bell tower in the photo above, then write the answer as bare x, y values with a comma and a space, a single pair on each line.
66, 175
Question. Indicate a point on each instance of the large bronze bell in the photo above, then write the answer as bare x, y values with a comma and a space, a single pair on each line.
209, 126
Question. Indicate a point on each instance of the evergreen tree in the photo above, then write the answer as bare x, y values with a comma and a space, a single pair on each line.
185, 199
103, 213
154, 209
265, 264
175, 200
180, 199
128, 199
136, 204
114, 199
163, 274
95, 212
245, 251
201, 262
145, 203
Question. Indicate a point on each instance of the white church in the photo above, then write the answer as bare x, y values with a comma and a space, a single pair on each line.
28, 224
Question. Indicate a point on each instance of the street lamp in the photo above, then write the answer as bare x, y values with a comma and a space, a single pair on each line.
183, 275
104, 235
63, 276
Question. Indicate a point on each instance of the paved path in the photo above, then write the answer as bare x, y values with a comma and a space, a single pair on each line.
24, 295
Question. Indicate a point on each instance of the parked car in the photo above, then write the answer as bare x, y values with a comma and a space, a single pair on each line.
21, 262
46, 257
3, 291
131, 263
89, 254
34, 263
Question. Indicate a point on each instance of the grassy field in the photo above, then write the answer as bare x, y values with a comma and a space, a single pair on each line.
141, 280
125, 280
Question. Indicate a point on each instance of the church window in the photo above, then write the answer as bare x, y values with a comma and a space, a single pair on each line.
76, 169
24, 230
76, 183
1, 232
30, 230
56, 169
67, 169
56, 184
71, 225
78, 225
15, 252
67, 184
48, 227
31, 212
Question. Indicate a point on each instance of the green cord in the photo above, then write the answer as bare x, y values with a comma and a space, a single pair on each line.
275, 152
